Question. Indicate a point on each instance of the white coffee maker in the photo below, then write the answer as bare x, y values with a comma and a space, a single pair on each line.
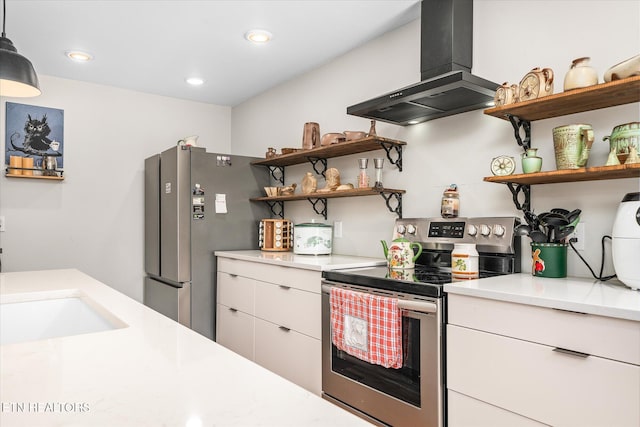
626, 241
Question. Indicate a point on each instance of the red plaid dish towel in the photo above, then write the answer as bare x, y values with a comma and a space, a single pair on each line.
367, 326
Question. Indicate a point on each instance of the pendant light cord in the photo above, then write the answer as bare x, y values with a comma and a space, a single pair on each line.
4, 16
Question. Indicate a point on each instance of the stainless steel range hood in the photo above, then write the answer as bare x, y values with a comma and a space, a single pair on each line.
447, 85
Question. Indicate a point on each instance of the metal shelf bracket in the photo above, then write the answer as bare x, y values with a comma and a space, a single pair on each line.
277, 173
322, 210
314, 161
397, 209
516, 189
277, 208
398, 149
519, 125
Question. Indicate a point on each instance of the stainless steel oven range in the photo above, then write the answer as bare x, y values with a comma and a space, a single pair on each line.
414, 394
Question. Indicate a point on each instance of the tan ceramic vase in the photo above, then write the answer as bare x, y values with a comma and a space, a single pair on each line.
311, 136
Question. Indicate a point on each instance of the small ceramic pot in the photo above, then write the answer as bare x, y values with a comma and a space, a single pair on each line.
549, 259
580, 74
531, 162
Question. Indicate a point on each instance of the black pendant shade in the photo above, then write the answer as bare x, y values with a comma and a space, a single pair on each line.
17, 76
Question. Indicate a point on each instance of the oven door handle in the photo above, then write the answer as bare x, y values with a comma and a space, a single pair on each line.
421, 306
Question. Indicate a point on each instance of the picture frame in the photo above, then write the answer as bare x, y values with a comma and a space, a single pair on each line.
36, 132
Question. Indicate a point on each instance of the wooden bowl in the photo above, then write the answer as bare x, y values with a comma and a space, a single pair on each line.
352, 134
332, 138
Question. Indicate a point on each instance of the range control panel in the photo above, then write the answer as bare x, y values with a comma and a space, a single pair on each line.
490, 234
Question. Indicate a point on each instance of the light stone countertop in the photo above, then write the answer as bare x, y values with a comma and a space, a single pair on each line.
610, 298
307, 262
152, 372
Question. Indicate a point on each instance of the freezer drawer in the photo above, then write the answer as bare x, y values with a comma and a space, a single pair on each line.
174, 302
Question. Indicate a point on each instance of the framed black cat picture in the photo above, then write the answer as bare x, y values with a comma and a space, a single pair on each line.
34, 131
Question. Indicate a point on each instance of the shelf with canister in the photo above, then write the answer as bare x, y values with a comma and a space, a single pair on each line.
23, 167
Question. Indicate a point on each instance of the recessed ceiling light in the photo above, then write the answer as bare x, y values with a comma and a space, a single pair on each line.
258, 36
194, 81
78, 56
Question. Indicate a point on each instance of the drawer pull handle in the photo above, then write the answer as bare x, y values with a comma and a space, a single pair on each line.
233, 310
284, 328
571, 352
233, 275
286, 288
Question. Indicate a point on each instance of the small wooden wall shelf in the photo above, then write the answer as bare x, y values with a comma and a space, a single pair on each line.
369, 143
596, 173
58, 177
330, 194
392, 197
618, 92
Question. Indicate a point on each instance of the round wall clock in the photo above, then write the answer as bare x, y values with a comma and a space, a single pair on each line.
503, 165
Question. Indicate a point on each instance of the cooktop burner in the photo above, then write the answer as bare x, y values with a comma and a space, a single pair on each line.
418, 281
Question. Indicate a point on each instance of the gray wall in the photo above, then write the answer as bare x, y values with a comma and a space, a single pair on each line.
93, 220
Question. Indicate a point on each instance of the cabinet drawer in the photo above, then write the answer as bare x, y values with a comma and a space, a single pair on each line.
307, 280
235, 331
236, 292
464, 411
289, 354
537, 382
289, 307
608, 337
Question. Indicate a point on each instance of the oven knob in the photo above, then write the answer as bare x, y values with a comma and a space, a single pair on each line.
401, 229
485, 230
472, 230
411, 229
498, 230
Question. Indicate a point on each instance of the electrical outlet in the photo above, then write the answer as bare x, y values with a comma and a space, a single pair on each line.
337, 229
579, 234
2, 223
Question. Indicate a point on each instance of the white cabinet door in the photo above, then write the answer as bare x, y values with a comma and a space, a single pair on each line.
236, 292
292, 355
541, 383
290, 307
235, 331
465, 411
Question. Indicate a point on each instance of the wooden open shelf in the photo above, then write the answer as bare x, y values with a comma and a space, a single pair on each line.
369, 143
594, 97
596, 173
370, 191
52, 178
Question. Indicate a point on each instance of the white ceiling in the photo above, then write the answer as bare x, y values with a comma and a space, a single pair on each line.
152, 46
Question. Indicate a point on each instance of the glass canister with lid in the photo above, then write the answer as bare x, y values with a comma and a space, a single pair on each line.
464, 262
450, 202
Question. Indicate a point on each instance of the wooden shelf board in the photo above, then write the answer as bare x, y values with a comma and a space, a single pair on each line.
329, 195
369, 143
571, 175
594, 97
53, 178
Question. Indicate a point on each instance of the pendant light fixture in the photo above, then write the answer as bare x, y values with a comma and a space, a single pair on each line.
17, 76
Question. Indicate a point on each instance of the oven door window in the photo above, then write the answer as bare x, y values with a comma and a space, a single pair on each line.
403, 383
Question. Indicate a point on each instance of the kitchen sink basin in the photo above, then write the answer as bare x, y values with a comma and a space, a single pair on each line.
38, 316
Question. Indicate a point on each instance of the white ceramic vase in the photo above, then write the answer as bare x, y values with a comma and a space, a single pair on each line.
580, 74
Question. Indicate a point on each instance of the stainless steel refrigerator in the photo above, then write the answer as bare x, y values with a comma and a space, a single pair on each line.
196, 203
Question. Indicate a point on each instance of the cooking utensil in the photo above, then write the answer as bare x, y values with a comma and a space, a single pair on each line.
563, 233
538, 236
522, 230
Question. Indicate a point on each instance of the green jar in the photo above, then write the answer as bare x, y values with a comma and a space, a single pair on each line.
549, 259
